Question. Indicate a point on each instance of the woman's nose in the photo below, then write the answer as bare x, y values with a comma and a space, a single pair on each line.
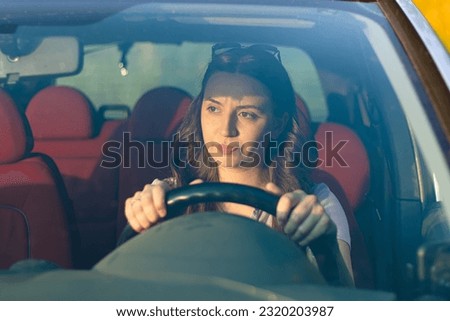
228, 127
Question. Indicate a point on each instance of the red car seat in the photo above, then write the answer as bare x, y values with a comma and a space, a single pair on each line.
34, 207
155, 117
348, 176
349, 182
61, 119
158, 113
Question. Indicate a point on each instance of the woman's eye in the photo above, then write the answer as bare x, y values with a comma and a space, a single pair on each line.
248, 115
212, 109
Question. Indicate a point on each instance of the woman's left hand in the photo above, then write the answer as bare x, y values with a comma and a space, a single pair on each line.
302, 217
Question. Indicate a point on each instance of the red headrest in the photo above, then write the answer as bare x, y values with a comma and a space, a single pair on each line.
354, 178
59, 112
14, 141
158, 112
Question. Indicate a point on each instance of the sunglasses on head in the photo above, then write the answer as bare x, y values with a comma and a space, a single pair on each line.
220, 48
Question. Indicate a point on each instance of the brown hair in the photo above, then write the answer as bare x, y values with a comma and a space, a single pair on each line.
265, 68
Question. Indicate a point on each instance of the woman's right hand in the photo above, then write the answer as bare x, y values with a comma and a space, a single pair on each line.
147, 207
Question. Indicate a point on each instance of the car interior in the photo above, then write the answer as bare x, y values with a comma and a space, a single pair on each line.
58, 200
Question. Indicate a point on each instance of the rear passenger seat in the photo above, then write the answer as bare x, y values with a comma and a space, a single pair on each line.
34, 207
61, 119
155, 117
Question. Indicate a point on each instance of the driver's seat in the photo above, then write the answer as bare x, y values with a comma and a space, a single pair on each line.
170, 104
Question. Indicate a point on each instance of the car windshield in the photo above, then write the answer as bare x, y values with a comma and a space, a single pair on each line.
139, 66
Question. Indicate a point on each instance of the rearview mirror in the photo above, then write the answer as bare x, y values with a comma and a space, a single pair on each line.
48, 56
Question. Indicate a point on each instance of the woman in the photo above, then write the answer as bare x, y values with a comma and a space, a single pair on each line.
246, 103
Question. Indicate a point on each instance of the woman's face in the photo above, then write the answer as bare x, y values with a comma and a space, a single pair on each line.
236, 113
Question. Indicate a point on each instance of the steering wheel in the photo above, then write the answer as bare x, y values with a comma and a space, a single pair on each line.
213, 243
177, 200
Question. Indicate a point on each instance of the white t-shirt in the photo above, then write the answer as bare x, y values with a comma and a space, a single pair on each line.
334, 209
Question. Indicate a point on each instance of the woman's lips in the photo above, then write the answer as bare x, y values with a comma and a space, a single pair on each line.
229, 149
